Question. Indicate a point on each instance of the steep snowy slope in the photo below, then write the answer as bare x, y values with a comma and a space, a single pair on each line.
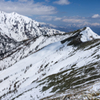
6, 44
26, 48
64, 65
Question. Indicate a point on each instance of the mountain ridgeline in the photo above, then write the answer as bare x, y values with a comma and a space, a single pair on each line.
40, 63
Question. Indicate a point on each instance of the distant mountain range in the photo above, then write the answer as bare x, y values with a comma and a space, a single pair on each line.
38, 62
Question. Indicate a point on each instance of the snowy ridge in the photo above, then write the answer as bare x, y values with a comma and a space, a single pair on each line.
24, 49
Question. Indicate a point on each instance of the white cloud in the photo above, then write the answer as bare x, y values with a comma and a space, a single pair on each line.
93, 24
49, 18
57, 19
62, 2
47, 0
27, 7
46, 18
73, 20
85, 24
22, 0
89, 24
79, 21
96, 16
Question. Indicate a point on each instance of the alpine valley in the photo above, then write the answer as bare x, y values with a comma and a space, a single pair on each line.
41, 63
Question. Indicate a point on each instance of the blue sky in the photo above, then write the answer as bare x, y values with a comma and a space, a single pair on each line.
65, 13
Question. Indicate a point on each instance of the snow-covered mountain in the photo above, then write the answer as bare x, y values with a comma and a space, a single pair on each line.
20, 28
40, 64
15, 28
